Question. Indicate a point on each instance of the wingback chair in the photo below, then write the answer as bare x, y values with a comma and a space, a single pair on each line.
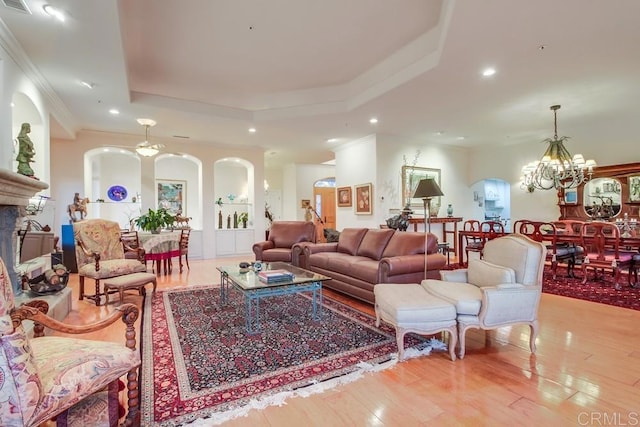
503, 288
44, 376
100, 254
283, 235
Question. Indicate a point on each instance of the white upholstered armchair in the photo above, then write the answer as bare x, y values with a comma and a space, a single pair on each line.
503, 288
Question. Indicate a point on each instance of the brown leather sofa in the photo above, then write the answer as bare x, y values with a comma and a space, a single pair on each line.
283, 235
364, 257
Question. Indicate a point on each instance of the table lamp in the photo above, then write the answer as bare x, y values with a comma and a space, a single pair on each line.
427, 189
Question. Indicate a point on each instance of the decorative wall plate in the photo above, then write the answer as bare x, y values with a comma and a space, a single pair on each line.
117, 193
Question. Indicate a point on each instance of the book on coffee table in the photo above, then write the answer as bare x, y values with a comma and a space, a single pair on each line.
272, 276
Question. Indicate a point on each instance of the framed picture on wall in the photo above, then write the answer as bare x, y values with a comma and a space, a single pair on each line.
364, 197
172, 196
411, 176
344, 197
634, 188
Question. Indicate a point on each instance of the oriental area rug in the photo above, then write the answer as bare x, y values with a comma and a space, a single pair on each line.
601, 291
200, 365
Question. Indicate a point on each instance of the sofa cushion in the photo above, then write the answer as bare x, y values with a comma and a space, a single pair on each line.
350, 239
365, 269
482, 273
344, 264
405, 243
322, 259
374, 242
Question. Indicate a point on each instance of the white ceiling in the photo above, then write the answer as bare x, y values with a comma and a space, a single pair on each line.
303, 71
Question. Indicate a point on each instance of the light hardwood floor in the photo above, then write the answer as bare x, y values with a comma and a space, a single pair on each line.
586, 372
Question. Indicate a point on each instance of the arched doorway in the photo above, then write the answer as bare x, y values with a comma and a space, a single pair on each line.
324, 196
493, 201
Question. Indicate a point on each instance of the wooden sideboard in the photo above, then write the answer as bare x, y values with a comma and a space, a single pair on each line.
571, 202
445, 232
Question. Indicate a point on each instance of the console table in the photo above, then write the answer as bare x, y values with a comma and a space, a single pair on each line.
445, 232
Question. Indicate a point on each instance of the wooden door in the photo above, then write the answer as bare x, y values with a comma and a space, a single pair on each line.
325, 203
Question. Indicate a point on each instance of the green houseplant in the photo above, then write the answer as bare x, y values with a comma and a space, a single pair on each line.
154, 221
243, 218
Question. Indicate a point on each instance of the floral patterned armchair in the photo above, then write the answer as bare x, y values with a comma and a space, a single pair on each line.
100, 254
44, 376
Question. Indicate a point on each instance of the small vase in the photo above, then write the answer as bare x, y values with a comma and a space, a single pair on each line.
449, 210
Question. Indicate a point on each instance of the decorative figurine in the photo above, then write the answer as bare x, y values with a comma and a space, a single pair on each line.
26, 152
235, 219
78, 205
229, 221
220, 219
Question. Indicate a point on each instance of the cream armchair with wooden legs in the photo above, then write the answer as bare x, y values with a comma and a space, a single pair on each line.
503, 288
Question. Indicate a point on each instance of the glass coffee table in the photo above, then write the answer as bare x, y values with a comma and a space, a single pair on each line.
253, 289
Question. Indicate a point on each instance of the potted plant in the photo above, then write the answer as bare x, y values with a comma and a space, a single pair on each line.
243, 218
154, 221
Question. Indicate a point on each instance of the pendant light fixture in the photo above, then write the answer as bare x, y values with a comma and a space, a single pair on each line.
144, 148
557, 169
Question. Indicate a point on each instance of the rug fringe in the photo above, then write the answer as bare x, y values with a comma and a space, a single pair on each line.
278, 399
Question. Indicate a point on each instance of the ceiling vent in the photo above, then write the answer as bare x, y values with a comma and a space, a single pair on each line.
18, 5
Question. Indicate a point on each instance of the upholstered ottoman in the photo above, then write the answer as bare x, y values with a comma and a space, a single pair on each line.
128, 281
410, 308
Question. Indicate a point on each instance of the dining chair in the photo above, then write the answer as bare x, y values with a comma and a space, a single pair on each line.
473, 243
601, 242
131, 245
546, 233
184, 247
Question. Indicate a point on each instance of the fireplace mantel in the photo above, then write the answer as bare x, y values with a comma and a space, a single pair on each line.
15, 191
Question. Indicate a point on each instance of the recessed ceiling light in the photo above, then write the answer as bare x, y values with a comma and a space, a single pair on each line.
373, 120
460, 138
330, 140
52, 11
88, 85
439, 133
114, 111
488, 72
252, 130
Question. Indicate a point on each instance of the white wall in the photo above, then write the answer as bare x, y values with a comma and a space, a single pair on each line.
356, 164
68, 175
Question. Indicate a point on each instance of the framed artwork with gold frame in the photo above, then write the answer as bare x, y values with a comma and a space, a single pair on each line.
364, 198
344, 197
411, 176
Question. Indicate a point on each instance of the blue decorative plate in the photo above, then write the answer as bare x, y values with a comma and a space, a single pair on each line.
117, 193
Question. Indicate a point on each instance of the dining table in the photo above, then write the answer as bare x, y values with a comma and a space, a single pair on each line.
160, 247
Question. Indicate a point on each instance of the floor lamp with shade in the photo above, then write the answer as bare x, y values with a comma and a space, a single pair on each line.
426, 190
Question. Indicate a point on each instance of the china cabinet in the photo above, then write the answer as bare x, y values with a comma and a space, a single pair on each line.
612, 193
